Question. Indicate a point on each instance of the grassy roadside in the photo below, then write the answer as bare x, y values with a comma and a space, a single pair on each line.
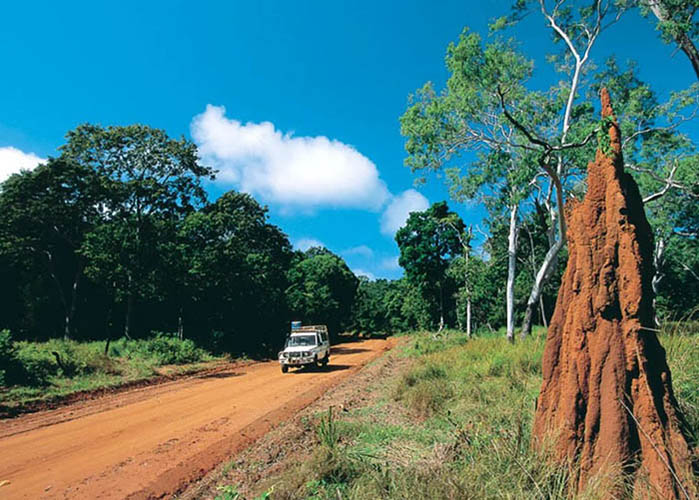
452, 422
36, 371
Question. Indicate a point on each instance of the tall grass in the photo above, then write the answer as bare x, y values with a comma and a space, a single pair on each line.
456, 423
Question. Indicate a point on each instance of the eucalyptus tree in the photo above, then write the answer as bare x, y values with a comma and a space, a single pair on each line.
473, 130
152, 182
677, 24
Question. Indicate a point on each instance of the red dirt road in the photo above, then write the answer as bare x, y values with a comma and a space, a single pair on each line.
149, 443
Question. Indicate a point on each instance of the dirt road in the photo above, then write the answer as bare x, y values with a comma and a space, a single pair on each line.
151, 442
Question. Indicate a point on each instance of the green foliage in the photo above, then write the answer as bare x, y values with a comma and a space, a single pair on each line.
228, 492
162, 349
322, 289
8, 357
236, 268
38, 370
428, 242
676, 19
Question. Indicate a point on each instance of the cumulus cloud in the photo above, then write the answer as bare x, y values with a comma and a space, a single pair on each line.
304, 244
305, 172
399, 208
12, 160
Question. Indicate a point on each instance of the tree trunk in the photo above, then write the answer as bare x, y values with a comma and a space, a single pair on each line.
658, 275
543, 312
441, 308
468, 317
68, 310
511, 262
180, 325
545, 270
127, 319
70, 315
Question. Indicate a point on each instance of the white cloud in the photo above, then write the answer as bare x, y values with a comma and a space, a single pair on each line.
399, 208
304, 244
361, 250
362, 272
12, 160
305, 172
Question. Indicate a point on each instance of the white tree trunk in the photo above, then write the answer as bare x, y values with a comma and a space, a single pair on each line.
545, 271
511, 262
658, 275
468, 317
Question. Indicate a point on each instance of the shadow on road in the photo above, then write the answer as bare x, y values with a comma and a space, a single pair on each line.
220, 375
326, 369
347, 350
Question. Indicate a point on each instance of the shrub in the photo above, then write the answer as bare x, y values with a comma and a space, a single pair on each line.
9, 366
162, 349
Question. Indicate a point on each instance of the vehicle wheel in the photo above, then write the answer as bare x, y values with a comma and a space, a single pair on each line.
285, 368
325, 361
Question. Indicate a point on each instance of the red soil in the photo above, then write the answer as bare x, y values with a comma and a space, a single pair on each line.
153, 442
606, 398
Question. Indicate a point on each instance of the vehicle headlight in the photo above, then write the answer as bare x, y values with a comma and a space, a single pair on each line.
306, 353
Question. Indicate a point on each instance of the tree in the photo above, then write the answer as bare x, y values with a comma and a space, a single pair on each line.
370, 314
152, 182
676, 23
427, 245
49, 212
236, 272
322, 289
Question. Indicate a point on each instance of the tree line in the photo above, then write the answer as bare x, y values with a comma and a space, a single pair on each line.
117, 237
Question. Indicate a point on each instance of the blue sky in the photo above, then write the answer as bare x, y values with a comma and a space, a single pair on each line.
297, 102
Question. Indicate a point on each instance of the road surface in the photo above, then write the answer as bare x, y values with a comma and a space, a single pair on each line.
151, 442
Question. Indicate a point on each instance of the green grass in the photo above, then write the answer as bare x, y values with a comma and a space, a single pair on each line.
455, 422
43, 370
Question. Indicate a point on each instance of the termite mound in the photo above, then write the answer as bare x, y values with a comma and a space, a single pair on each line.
606, 397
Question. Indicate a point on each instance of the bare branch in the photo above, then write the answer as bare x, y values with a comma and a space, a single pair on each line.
665, 189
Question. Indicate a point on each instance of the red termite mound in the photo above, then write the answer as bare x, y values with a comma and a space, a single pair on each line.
606, 397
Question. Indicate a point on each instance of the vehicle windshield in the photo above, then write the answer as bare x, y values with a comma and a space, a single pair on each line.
299, 340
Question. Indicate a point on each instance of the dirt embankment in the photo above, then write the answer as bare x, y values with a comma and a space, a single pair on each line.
153, 441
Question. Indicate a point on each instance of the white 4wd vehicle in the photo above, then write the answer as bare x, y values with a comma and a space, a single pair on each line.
306, 346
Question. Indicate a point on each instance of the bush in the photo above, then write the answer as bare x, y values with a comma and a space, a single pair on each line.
8, 359
162, 349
